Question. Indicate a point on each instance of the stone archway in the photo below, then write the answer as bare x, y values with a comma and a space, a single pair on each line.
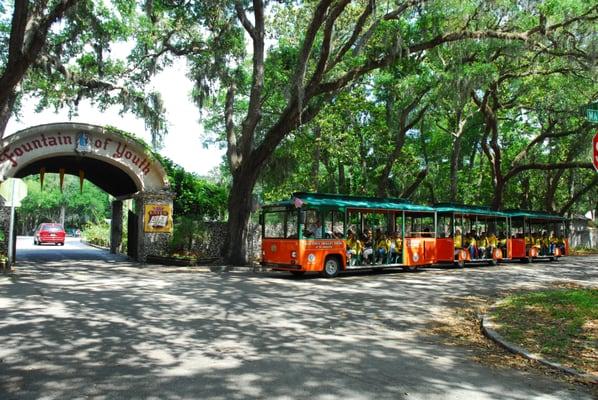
113, 160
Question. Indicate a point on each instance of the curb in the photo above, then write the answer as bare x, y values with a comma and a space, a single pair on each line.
211, 268
488, 327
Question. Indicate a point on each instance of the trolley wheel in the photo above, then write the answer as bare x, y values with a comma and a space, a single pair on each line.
409, 268
526, 260
492, 262
297, 273
331, 267
460, 263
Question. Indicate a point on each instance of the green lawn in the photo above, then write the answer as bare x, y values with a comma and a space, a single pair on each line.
560, 324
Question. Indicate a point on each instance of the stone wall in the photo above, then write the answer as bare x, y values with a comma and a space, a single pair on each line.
152, 243
4, 227
214, 239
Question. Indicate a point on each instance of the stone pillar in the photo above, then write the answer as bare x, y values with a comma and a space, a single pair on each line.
116, 227
4, 227
153, 240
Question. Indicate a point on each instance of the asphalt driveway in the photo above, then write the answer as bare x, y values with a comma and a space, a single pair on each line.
109, 329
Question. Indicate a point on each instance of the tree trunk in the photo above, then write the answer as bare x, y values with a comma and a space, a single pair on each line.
341, 178
6, 112
408, 192
239, 211
62, 214
499, 188
525, 199
455, 168
315, 166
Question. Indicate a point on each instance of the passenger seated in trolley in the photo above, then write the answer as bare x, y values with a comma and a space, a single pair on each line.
458, 241
314, 230
482, 243
492, 244
502, 243
544, 242
396, 246
470, 243
368, 247
353, 248
553, 241
382, 246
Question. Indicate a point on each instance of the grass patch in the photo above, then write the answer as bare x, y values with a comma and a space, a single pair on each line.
583, 251
560, 324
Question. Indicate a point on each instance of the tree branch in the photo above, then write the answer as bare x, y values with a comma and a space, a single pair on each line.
257, 83
520, 168
244, 21
577, 195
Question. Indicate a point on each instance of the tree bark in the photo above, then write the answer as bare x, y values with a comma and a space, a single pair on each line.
578, 195
341, 178
6, 112
315, 166
62, 214
239, 211
455, 167
408, 192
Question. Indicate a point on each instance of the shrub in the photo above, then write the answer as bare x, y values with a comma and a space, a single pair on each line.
98, 234
186, 232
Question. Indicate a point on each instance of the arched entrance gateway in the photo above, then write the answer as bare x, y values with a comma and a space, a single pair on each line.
114, 161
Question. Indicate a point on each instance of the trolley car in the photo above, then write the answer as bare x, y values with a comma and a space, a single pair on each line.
329, 234
469, 234
535, 235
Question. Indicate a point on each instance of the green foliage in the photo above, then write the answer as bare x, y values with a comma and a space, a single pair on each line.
196, 200
45, 205
97, 234
81, 59
195, 197
186, 232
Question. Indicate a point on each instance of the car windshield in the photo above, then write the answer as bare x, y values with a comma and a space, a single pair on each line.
51, 228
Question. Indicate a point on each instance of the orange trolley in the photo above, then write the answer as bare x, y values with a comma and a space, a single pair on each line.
328, 234
536, 235
469, 234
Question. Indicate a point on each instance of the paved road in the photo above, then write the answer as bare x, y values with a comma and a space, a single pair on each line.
110, 329
73, 250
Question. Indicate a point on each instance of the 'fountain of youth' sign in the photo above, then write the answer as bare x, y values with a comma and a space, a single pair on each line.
81, 143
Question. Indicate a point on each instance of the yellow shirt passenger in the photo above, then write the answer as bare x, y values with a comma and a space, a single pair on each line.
492, 241
458, 241
383, 243
354, 244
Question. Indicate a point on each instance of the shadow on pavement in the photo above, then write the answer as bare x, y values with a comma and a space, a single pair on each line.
129, 331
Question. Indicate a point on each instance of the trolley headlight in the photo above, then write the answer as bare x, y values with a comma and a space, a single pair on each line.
293, 254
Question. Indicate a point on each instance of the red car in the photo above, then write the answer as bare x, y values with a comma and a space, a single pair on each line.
49, 233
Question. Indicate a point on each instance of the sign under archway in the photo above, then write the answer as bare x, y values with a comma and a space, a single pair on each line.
113, 160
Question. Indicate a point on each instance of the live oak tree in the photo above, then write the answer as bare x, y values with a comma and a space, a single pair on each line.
59, 52
267, 73
337, 43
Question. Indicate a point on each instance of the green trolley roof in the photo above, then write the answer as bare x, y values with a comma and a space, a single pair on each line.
468, 210
535, 215
321, 200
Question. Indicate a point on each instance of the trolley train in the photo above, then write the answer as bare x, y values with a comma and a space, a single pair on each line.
329, 234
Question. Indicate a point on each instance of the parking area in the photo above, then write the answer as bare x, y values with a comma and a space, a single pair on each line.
111, 329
